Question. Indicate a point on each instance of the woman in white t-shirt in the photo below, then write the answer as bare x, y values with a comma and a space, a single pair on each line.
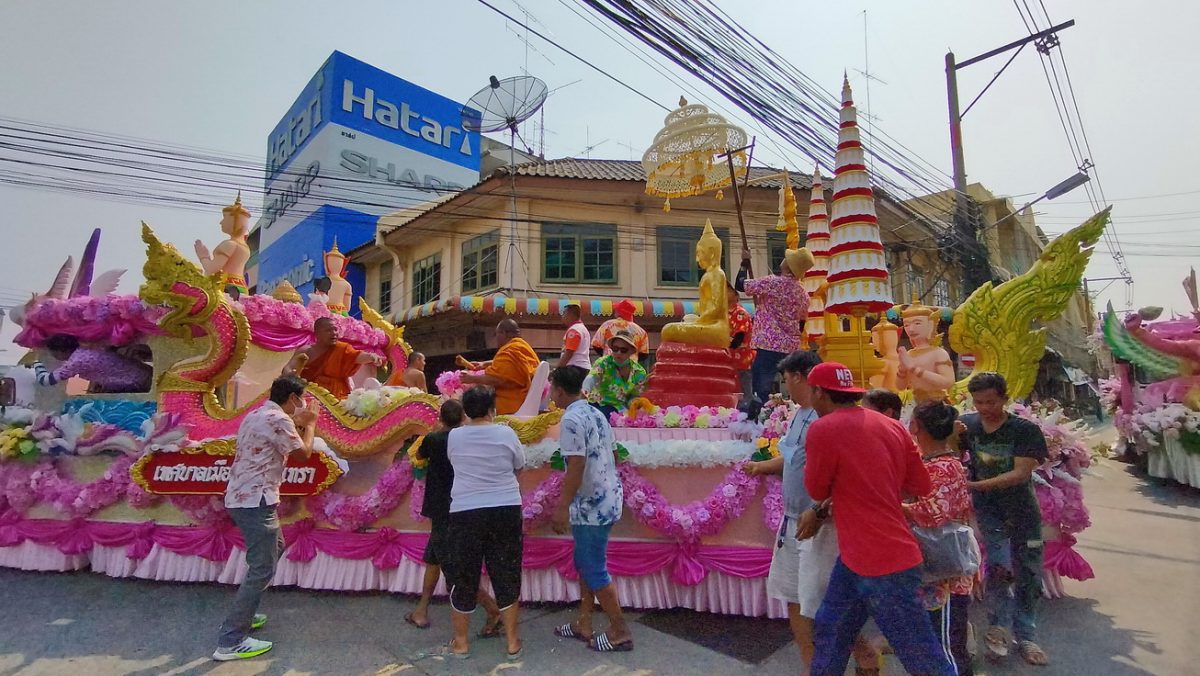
485, 518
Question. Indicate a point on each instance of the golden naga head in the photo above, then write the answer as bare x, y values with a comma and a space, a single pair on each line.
708, 249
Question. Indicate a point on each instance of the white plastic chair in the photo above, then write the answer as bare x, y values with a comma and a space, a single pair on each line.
533, 399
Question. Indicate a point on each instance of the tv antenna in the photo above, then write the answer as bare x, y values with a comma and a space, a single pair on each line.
504, 104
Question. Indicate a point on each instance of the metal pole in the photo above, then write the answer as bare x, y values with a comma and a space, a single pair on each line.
737, 198
956, 149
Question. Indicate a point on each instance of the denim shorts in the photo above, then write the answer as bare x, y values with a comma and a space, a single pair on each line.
591, 555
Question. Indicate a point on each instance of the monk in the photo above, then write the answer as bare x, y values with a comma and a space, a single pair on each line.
413, 375
330, 362
510, 371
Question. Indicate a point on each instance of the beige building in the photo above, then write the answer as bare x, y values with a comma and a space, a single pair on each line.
522, 242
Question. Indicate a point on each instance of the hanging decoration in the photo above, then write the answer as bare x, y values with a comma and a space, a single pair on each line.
683, 159
816, 240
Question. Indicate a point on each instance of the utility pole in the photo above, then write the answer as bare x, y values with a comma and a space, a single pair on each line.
975, 259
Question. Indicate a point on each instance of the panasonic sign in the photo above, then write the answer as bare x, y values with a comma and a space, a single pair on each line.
365, 142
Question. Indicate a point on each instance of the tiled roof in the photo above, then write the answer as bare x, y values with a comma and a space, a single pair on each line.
628, 170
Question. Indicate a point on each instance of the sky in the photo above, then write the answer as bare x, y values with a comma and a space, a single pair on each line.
218, 75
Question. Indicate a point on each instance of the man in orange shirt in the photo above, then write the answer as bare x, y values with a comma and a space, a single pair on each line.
330, 362
510, 371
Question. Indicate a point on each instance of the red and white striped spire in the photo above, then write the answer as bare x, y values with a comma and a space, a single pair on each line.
817, 242
858, 275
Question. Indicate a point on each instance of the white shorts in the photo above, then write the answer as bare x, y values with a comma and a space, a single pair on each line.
800, 570
785, 565
817, 556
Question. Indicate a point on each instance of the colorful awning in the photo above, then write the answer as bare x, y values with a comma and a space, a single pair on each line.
499, 303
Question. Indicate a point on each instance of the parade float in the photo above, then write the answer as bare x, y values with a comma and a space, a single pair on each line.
129, 484
1154, 395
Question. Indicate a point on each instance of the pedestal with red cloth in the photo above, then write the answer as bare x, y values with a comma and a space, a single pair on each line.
693, 374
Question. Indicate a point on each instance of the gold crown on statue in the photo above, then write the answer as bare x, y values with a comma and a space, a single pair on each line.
236, 207
917, 309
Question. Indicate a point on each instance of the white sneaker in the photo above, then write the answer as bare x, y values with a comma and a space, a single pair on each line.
249, 647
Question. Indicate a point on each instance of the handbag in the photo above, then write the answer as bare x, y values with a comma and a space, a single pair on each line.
950, 550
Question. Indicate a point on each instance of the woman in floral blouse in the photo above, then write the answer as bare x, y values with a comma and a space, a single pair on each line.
946, 600
617, 378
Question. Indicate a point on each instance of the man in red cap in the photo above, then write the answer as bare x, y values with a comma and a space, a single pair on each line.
622, 322
867, 463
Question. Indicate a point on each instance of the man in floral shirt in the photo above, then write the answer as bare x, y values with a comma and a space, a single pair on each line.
617, 378
622, 322
591, 502
267, 436
780, 307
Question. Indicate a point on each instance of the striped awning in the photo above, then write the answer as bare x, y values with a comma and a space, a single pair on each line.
501, 304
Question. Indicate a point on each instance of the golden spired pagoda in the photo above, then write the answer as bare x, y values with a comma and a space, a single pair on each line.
816, 239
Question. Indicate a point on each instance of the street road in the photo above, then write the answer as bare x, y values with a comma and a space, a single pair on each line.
1139, 616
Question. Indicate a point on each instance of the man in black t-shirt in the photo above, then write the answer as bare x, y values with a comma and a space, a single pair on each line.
439, 479
1004, 451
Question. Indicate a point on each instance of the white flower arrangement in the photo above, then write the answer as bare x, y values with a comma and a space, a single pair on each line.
365, 402
667, 453
1164, 422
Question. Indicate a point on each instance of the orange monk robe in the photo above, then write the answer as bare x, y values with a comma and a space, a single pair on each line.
332, 370
514, 364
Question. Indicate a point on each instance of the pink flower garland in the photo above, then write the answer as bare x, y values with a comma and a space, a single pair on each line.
689, 522
26, 485
537, 507
267, 311
773, 504
355, 512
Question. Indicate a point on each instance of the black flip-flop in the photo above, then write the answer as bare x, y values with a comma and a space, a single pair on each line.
408, 618
565, 631
601, 644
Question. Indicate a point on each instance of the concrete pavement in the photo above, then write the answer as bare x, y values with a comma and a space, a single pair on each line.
1138, 617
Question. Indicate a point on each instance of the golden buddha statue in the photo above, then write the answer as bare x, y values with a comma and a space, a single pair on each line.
925, 368
229, 258
711, 325
340, 293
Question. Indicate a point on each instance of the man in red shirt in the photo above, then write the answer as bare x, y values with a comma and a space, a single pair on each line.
867, 462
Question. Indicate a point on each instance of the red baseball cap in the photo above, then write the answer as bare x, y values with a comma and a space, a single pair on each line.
834, 377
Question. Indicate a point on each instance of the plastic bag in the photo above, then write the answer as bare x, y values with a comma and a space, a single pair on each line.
949, 551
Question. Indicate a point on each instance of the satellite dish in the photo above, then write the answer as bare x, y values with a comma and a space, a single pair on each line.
504, 104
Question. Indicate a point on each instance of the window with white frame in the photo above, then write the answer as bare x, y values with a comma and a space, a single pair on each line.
941, 294
385, 287
427, 279
481, 262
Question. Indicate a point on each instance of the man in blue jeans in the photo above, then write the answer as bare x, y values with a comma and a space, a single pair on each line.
591, 502
1004, 452
267, 436
867, 463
